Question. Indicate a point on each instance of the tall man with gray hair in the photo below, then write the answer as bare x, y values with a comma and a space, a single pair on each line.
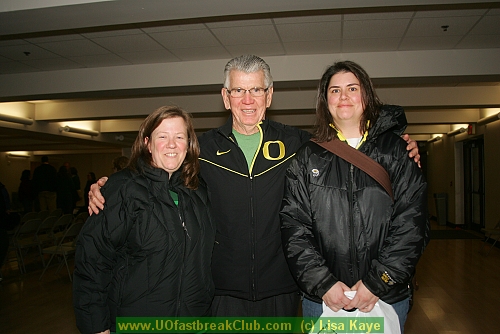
244, 163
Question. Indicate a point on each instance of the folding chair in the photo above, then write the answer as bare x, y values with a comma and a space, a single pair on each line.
43, 214
65, 247
491, 233
44, 235
12, 254
29, 216
24, 239
60, 226
81, 217
56, 212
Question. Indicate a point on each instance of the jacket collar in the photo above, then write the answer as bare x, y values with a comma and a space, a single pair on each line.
159, 175
341, 136
391, 118
227, 129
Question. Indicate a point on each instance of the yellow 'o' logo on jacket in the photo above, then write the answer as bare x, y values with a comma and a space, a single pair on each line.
281, 147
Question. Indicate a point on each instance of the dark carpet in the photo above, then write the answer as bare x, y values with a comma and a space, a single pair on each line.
454, 234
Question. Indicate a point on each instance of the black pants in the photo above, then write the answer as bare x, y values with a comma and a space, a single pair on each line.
285, 305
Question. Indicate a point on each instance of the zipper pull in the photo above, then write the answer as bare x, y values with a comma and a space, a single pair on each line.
185, 229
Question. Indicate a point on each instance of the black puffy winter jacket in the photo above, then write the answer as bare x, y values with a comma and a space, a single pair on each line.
338, 224
142, 255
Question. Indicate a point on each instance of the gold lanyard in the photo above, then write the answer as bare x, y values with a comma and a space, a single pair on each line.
341, 136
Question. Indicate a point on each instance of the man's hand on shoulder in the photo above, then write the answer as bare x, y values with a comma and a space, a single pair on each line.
96, 200
413, 148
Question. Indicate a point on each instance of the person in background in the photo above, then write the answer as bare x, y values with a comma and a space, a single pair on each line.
148, 253
74, 176
119, 163
76, 181
4, 196
341, 230
8, 222
66, 191
244, 163
45, 185
25, 191
90, 181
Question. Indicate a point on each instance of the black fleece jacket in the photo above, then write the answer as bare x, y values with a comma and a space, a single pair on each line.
248, 260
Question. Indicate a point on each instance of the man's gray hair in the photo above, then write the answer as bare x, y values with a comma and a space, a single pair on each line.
248, 64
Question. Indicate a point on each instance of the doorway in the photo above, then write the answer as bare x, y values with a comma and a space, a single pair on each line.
474, 183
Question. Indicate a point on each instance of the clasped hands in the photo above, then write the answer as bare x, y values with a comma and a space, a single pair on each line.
335, 298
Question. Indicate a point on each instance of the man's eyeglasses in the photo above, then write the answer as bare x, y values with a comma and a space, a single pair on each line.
240, 92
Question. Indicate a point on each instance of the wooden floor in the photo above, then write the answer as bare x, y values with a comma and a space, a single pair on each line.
459, 292
459, 289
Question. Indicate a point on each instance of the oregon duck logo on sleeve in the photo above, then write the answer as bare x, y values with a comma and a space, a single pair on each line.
269, 145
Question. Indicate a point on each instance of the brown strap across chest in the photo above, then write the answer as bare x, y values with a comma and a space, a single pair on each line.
360, 160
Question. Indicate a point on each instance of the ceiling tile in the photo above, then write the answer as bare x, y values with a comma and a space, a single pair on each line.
128, 43
370, 44
479, 42
488, 25
246, 35
263, 50
186, 39
11, 67
322, 31
375, 28
53, 64
11, 42
494, 11
149, 57
215, 52
432, 26
82, 47
17, 52
100, 60
309, 47
429, 42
